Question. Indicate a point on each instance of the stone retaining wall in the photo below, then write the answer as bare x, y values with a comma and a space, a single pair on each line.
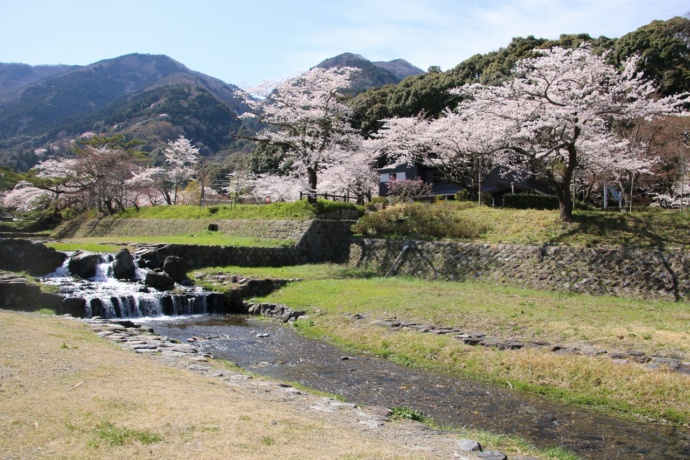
322, 241
111, 226
648, 273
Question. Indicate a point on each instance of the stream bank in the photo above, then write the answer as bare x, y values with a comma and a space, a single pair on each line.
274, 351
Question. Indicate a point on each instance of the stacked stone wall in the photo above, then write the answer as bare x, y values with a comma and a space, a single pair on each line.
322, 241
269, 229
648, 273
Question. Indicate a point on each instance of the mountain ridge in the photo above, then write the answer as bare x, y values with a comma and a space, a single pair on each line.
148, 96
373, 74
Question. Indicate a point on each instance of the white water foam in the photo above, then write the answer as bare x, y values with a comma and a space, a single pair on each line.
108, 297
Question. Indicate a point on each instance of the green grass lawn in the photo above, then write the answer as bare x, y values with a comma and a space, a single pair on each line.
658, 228
607, 323
298, 210
206, 238
303, 272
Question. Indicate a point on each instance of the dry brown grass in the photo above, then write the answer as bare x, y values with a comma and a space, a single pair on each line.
62, 388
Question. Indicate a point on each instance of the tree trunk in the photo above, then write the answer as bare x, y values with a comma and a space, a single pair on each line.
566, 207
563, 192
311, 175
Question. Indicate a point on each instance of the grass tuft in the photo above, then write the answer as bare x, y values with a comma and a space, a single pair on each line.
118, 436
407, 413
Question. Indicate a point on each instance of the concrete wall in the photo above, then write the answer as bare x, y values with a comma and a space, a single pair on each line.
648, 273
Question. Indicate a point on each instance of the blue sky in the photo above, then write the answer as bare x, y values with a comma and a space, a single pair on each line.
247, 41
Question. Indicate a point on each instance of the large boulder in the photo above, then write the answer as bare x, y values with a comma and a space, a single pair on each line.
160, 280
148, 257
24, 295
74, 306
175, 267
34, 258
84, 263
124, 267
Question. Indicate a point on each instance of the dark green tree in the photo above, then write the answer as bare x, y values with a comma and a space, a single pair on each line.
664, 47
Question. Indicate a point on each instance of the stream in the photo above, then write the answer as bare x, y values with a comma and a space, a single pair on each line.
271, 349
275, 351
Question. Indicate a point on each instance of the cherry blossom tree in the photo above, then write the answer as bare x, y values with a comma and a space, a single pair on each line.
26, 197
101, 175
276, 188
149, 182
181, 158
54, 181
306, 117
558, 110
462, 146
355, 177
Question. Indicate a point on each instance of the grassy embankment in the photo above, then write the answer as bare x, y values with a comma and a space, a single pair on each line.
440, 221
659, 228
299, 210
332, 294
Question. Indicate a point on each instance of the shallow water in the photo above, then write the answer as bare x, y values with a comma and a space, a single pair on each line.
109, 297
448, 400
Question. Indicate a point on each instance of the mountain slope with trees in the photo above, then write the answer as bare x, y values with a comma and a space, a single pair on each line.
15, 76
663, 45
371, 74
144, 96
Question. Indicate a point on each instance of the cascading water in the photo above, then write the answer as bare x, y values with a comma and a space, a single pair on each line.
109, 297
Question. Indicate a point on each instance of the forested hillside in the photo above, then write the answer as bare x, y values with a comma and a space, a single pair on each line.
150, 98
663, 45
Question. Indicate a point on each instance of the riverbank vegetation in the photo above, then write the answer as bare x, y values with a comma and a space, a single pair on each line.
343, 307
463, 221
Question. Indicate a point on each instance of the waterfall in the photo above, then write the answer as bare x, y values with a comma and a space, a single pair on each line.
109, 297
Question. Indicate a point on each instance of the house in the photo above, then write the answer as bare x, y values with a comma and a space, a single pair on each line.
497, 184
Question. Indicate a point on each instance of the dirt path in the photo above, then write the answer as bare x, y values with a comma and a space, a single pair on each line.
65, 392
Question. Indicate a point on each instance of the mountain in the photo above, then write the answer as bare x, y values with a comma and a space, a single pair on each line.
148, 97
399, 67
15, 76
373, 74
151, 97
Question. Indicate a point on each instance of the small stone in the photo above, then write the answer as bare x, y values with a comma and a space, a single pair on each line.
261, 336
492, 455
469, 445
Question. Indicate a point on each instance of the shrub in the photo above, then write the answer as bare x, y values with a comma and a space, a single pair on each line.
418, 221
530, 201
408, 190
407, 413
